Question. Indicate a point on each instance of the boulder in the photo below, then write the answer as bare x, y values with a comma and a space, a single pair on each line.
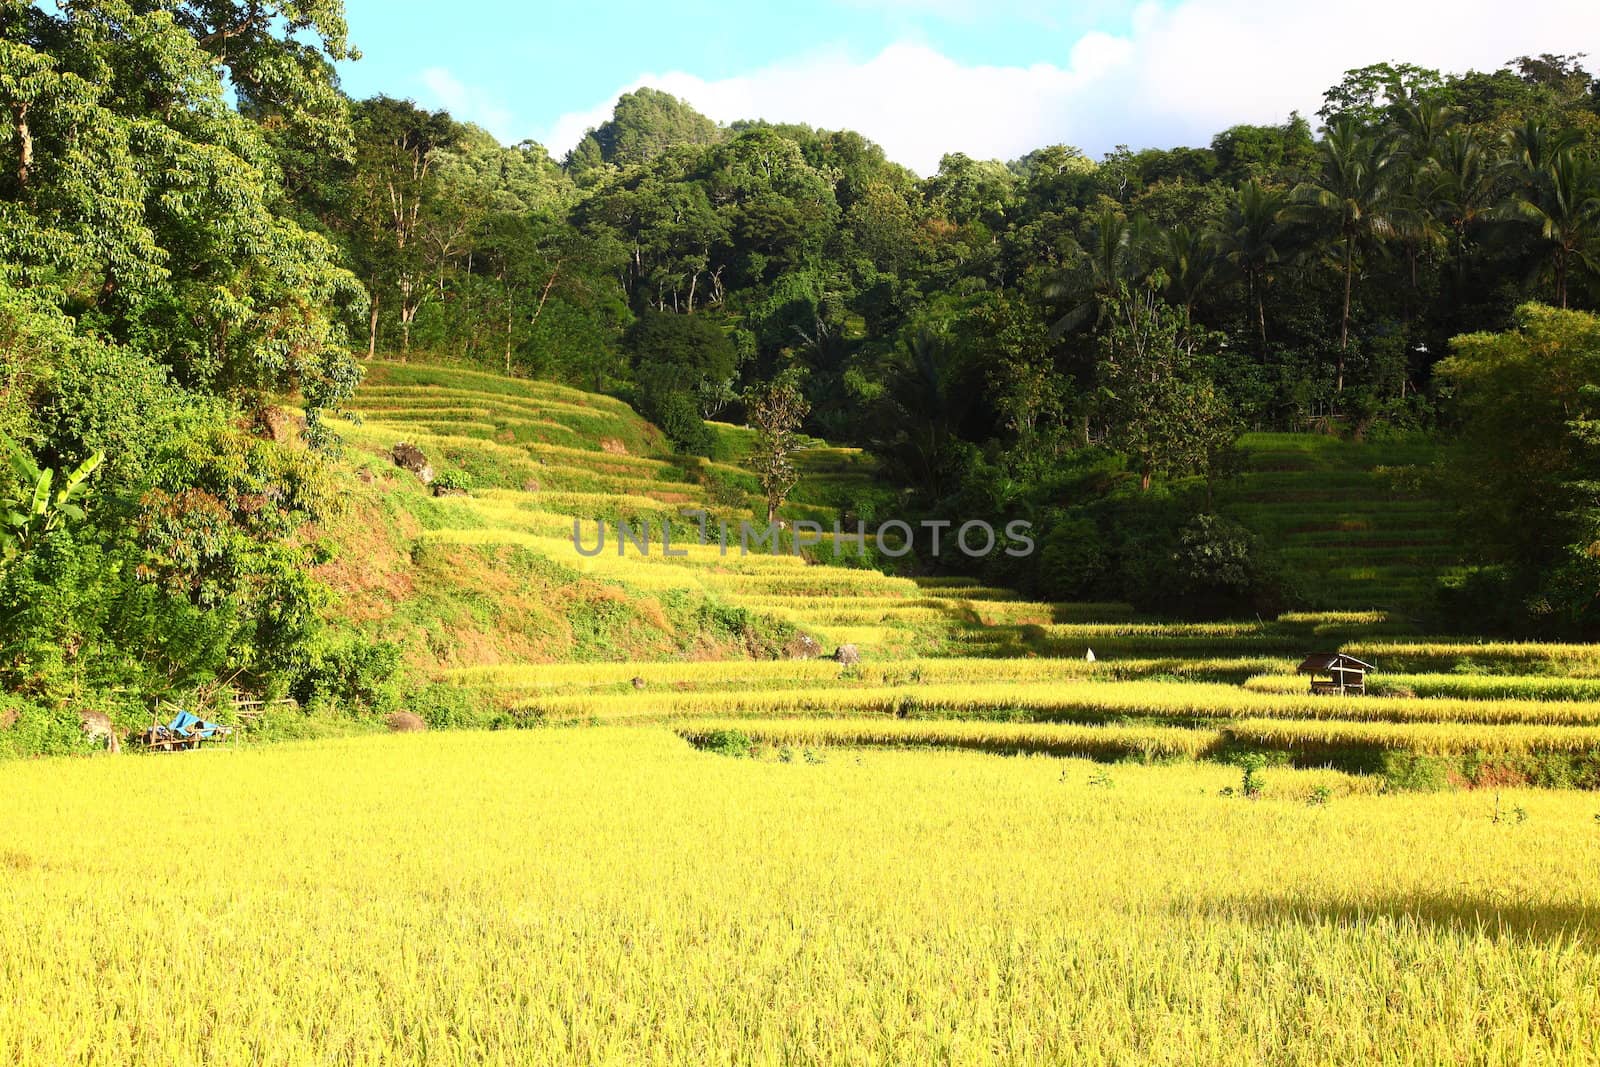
97, 726
413, 459
405, 722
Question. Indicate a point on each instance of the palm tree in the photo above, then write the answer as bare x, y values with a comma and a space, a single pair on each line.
1459, 185
1189, 259
1117, 254
928, 397
1564, 206
1424, 123
1357, 195
1253, 238
1534, 148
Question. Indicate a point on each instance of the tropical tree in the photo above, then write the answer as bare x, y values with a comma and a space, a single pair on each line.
1116, 255
1189, 259
397, 147
1161, 409
1253, 238
1356, 195
1561, 203
776, 409
1459, 184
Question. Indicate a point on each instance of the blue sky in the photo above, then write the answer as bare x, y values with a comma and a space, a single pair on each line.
993, 78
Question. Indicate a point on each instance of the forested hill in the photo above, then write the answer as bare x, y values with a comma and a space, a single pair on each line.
199, 229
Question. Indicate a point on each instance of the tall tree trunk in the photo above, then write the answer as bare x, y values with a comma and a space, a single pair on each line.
545, 294
508, 330
372, 322
1344, 321
1257, 288
19, 113
408, 311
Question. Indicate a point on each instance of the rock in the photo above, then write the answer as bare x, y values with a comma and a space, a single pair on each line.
282, 427
97, 726
404, 722
847, 655
413, 459
638, 683
803, 646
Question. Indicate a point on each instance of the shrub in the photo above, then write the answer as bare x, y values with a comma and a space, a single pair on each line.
351, 672
443, 706
677, 359
1072, 560
40, 730
733, 743
452, 481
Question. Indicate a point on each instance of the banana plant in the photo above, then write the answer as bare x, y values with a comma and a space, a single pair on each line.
44, 498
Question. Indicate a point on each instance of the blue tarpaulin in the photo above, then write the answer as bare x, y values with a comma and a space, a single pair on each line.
189, 725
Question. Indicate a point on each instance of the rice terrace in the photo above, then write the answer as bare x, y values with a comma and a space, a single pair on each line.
728, 594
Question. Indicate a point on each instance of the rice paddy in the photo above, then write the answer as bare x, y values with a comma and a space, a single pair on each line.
1013, 832
615, 896
943, 655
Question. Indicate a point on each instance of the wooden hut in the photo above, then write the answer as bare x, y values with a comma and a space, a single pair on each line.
1335, 672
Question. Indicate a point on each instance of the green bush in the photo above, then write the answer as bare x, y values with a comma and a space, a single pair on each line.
444, 706
676, 359
350, 672
40, 730
1072, 560
452, 481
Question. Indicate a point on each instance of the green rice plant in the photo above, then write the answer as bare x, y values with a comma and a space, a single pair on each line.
1090, 742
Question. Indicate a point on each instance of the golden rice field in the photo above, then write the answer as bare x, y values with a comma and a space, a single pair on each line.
979, 845
1065, 697
615, 896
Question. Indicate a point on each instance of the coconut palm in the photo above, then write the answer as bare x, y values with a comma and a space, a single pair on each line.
1459, 182
1563, 206
1117, 253
1253, 237
1189, 258
1357, 197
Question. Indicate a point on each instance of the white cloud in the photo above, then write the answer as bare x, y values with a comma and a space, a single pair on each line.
1182, 72
442, 89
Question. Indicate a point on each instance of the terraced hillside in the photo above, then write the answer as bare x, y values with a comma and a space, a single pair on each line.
538, 458
488, 595
1349, 520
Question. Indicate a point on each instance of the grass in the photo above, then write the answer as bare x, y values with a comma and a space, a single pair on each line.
876, 886
613, 896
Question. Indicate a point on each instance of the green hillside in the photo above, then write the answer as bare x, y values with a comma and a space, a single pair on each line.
1350, 522
491, 575
487, 596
